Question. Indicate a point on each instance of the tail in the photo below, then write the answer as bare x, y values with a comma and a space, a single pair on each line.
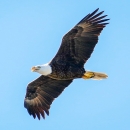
94, 75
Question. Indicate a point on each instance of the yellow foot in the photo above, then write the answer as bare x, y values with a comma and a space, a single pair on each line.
88, 75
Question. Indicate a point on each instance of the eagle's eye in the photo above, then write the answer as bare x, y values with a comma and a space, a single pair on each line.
38, 67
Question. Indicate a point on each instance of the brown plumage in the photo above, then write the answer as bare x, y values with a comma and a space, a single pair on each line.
77, 47
40, 94
68, 64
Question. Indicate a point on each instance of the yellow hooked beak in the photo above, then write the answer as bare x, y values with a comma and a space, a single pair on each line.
33, 69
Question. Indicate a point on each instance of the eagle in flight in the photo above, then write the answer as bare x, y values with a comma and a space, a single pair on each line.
68, 64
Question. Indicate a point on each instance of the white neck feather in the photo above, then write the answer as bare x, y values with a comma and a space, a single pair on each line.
45, 69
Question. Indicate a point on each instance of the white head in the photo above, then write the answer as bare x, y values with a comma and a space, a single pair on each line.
44, 69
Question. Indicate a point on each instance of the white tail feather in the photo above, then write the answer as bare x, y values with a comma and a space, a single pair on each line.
95, 75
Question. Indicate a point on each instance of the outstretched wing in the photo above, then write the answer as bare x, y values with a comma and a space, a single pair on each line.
41, 92
78, 44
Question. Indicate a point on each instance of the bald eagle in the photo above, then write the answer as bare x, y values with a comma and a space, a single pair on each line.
68, 64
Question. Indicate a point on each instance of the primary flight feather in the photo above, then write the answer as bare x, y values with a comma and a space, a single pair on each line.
68, 64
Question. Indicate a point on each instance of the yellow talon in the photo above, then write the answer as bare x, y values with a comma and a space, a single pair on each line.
88, 75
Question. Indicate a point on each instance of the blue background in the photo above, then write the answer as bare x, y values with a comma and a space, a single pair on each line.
31, 33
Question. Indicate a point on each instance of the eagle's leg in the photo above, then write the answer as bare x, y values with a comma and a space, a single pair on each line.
88, 75
94, 75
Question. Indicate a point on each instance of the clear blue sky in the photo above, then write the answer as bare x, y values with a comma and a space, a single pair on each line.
31, 33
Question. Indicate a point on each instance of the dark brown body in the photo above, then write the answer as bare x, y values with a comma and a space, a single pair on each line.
66, 71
